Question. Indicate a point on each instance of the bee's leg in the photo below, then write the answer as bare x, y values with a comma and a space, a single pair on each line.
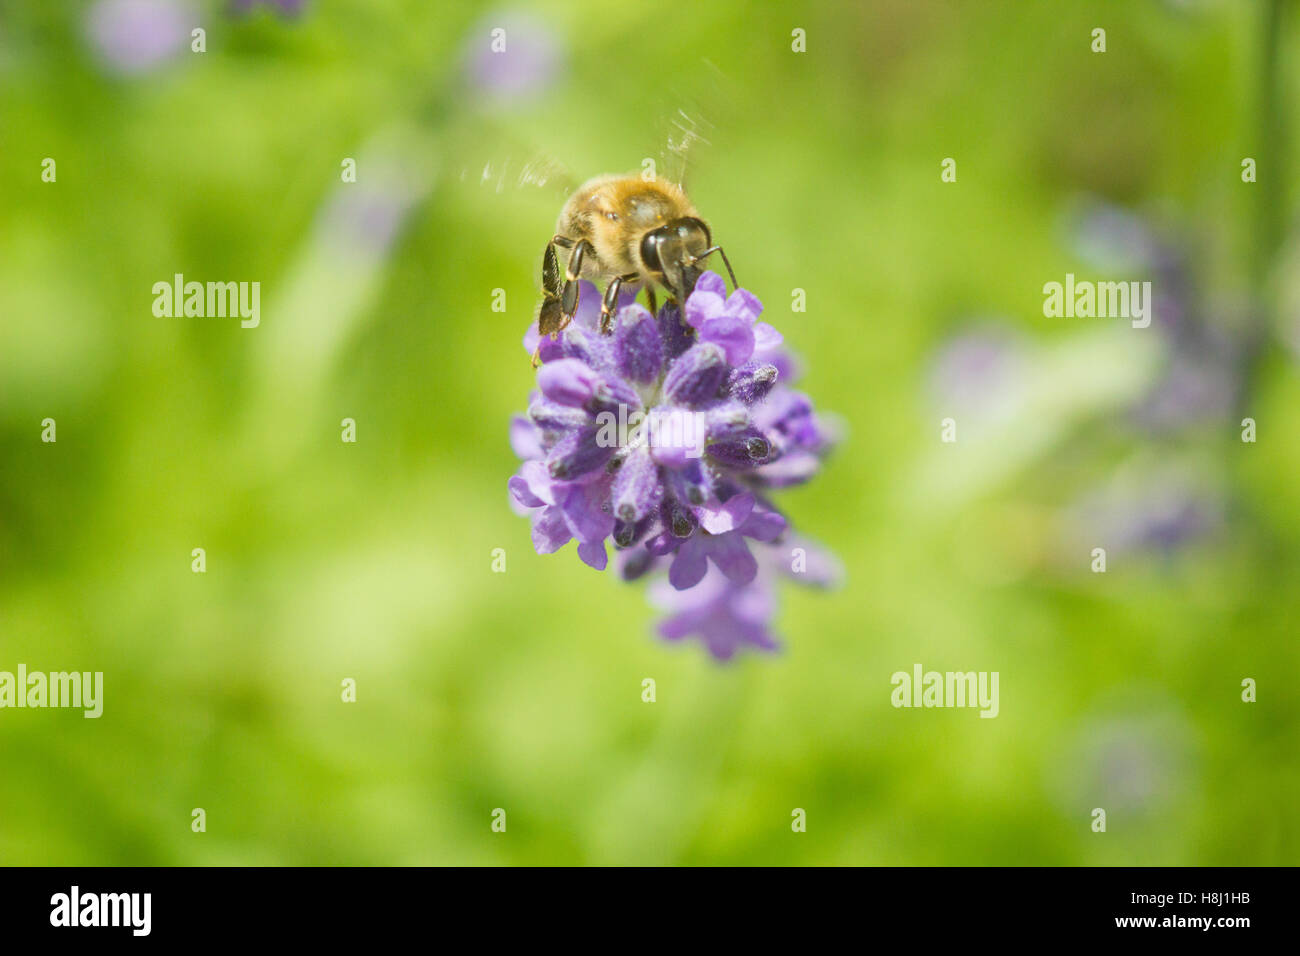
572, 272
550, 316
725, 260
610, 301
650, 297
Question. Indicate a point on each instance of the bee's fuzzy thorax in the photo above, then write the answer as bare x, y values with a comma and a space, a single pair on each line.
613, 212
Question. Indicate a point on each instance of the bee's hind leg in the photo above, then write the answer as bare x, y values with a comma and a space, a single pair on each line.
610, 301
552, 317
572, 273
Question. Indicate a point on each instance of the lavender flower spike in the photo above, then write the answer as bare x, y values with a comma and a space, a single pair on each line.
664, 437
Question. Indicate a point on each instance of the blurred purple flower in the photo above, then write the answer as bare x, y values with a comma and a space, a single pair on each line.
363, 220
1109, 237
1203, 368
1116, 241
1157, 512
728, 616
1131, 760
973, 371
512, 56
134, 36
1201, 381
725, 616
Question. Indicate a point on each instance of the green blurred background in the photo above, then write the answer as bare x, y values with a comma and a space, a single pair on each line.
372, 561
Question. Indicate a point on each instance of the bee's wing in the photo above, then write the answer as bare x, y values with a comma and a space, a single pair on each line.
498, 160
520, 170
685, 127
685, 132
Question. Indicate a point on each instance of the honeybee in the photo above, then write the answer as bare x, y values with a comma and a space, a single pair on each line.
623, 229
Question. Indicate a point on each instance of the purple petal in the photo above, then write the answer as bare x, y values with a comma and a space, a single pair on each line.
588, 314
754, 605
766, 337
711, 281
661, 544
787, 368
553, 416
728, 419
678, 626
764, 525
581, 344
733, 559
724, 642
689, 564
788, 470
782, 410
593, 554
695, 377
735, 335
577, 454
537, 478
550, 350
524, 440
584, 511
519, 490
744, 305
637, 489
613, 393
719, 519
550, 533
676, 335
638, 349
568, 382
701, 306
